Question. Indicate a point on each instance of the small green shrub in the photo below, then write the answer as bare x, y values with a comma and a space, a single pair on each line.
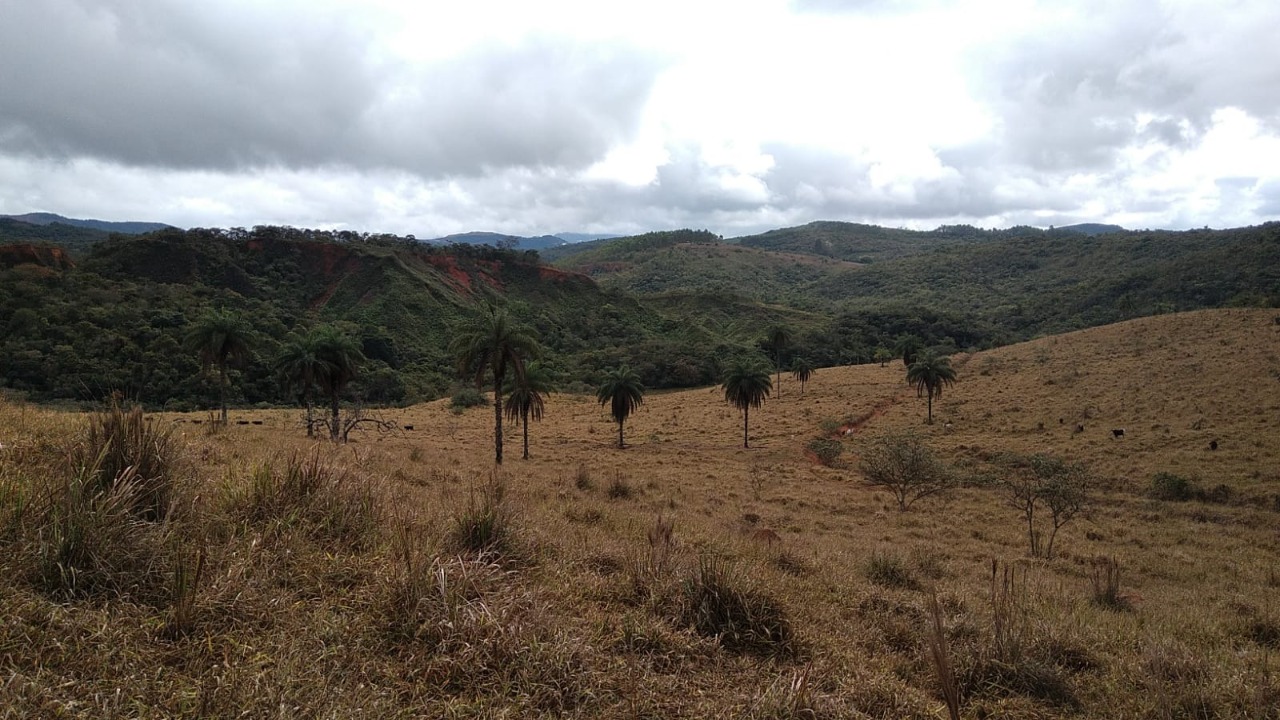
467, 397
1174, 488
828, 451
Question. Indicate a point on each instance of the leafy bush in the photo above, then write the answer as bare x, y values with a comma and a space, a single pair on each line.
828, 451
467, 397
907, 467
1175, 488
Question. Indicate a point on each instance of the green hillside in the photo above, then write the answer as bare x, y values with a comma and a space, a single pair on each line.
115, 321
75, 240
1055, 282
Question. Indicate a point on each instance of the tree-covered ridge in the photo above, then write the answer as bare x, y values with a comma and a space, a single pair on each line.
116, 321
75, 240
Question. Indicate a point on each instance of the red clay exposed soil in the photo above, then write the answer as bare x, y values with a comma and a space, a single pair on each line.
54, 258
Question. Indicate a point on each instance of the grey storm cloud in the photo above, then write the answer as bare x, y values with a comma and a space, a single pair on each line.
185, 86
1068, 100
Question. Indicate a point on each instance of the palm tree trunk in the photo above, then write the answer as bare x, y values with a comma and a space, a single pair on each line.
222, 391
497, 418
930, 421
333, 420
745, 412
620, 445
306, 399
525, 421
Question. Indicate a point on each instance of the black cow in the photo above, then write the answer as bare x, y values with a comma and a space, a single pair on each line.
1117, 433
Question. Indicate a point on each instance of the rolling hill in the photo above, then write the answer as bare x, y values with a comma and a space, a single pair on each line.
685, 576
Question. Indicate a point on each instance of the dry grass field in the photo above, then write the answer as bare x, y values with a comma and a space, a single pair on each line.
401, 576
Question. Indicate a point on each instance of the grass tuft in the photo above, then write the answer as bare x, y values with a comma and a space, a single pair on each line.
484, 525
720, 602
892, 571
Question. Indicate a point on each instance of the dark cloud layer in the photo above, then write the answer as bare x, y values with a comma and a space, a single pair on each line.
306, 111
191, 86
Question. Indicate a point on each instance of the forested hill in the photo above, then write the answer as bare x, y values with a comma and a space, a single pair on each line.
674, 305
1021, 281
116, 319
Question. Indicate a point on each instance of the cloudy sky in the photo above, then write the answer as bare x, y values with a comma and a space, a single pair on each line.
431, 118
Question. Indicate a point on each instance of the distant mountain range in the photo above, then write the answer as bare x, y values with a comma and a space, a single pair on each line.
518, 242
128, 228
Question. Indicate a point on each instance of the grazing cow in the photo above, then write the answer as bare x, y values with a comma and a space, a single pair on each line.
1213, 444
242, 422
1117, 433
256, 422
407, 427
1079, 429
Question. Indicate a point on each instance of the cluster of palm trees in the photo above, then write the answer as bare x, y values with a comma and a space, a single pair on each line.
322, 359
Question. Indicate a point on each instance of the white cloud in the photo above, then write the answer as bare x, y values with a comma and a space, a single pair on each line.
430, 118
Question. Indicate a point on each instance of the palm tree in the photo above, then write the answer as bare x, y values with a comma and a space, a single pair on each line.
493, 343
778, 339
301, 365
339, 356
801, 370
928, 374
220, 337
623, 393
746, 385
907, 347
527, 399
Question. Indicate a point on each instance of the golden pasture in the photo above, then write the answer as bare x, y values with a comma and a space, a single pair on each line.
288, 628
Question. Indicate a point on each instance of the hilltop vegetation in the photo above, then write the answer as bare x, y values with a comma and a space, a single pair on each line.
114, 322
675, 305
1013, 283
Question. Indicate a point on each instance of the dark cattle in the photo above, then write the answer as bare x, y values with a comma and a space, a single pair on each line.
242, 422
1079, 428
1213, 444
257, 422
1117, 433
408, 427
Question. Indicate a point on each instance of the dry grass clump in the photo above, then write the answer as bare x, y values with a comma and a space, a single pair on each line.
313, 495
94, 524
720, 601
891, 570
122, 445
484, 525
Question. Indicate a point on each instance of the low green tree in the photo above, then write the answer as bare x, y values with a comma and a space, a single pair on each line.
527, 398
746, 385
301, 367
340, 358
802, 371
491, 345
928, 375
220, 337
623, 393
